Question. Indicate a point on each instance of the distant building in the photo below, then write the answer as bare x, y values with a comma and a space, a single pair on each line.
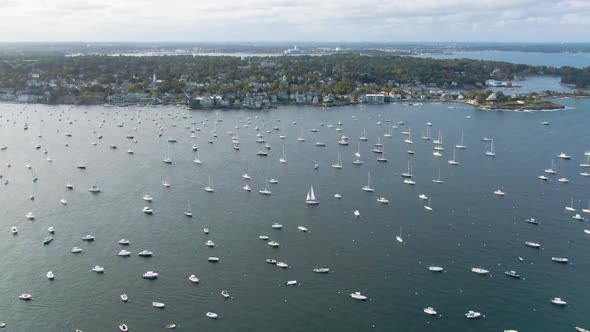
375, 98
293, 50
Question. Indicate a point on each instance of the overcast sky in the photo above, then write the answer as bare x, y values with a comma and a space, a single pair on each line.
295, 20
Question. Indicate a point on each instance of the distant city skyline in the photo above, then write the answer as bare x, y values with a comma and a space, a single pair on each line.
292, 20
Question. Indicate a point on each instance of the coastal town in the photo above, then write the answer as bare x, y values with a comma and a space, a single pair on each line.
262, 82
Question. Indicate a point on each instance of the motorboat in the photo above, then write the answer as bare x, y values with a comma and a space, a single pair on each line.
563, 155
98, 269
76, 250
356, 213
212, 315
123, 327
148, 198
88, 237
206, 230
124, 242
282, 265
273, 244
225, 294
478, 270
577, 216
263, 237
321, 270
25, 297
193, 279
210, 243
14, 230
94, 189
271, 261
532, 244
563, 180
472, 314
170, 326
291, 283
301, 228
558, 301
512, 274
50, 275
383, 200
358, 296
562, 260
148, 210
124, 253
30, 216
337, 196
63, 201
124, 297
436, 268
69, 186
430, 311
150, 275
532, 221
423, 197
273, 181
276, 225
542, 177
499, 192
145, 253
51, 230
159, 305
213, 259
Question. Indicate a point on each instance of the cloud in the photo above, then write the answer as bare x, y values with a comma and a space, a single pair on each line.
280, 20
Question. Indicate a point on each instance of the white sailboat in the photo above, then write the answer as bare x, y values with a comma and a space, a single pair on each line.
188, 212
363, 137
454, 160
491, 152
284, 157
167, 159
428, 207
408, 139
265, 191
571, 207
399, 237
310, 198
426, 136
438, 180
197, 159
338, 163
368, 187
461, 145
209, 187
381, 157
551, 170
588, 209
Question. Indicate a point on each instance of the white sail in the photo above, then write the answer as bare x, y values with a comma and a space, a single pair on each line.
310, 199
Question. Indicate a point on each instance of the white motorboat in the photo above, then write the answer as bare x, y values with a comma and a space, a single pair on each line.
210, 243
148, 210
25, 297
532, 244
436, 269
130, 151
98, 269
150, 275
558, 301
212, 315
478, 270
577, 216
337, 196
145, 253
563, 155
213, 259
123, 327
88, 237
263, 237
94, 189
561, 260
30, 216
246, 176
69, 186
63, 201
423, 197
14, 230
276, 226
50, 275
47, 240
193, 279
124, 242
563, 180
532, 221
302, 228
273, 181
291, 283
76, 250
159, 305
225, 294
206, 230
472, 314
409, 181
383, 200
356, 213
512, 274
358, 296
542, 177
124, 253
321, 270
166, 184
273, 244
148, 198
247, 187
430, 311
282, 265
124, 297
499, 192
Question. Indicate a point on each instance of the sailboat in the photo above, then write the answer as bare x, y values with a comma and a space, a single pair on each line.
552, 169
283, 158
300, 138
368, 187
358, 151
461, 145
454, 160
399, 237
427, 207
265, 191
588, 209
409, 138
209, 188
310, 198
381, 157
167, 159
492, 151
197, 159
34, 175
587, 163
426, 136
439, 181
408, 173
363, 137
338, 163
571, 207
189, 212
